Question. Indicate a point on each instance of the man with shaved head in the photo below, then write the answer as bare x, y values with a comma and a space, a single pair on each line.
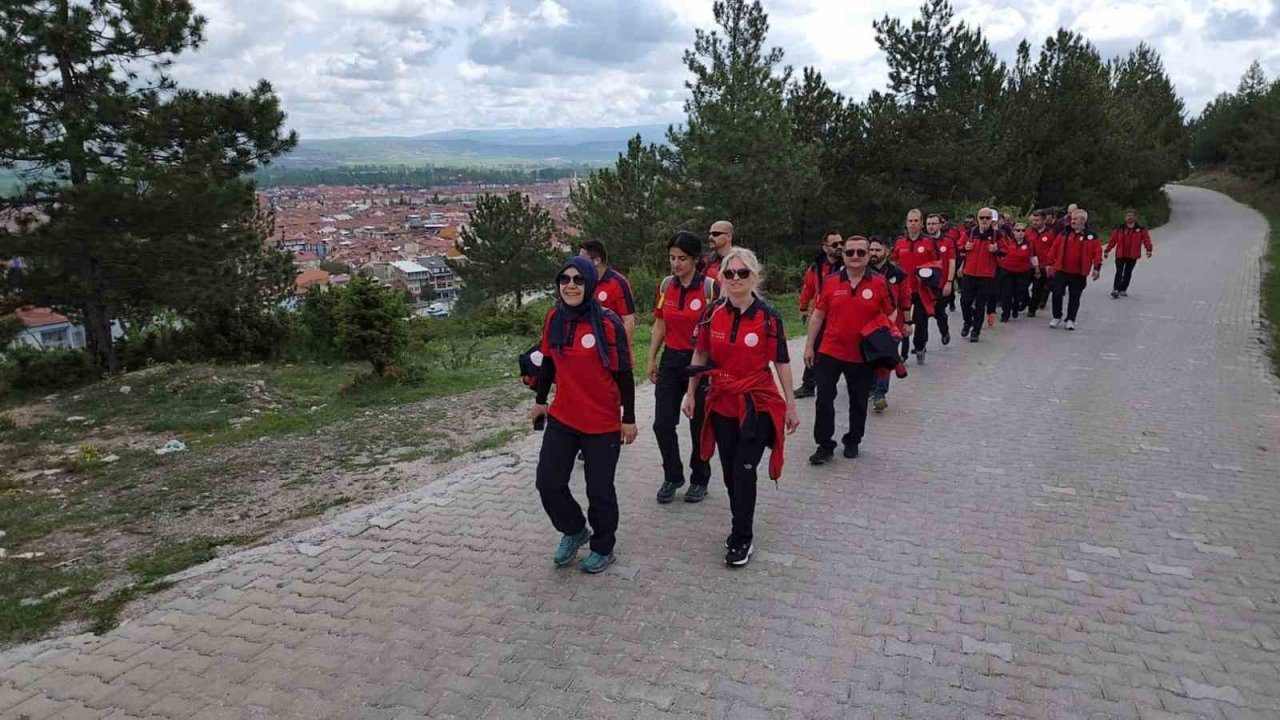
1076, 256
917, 251
721, 238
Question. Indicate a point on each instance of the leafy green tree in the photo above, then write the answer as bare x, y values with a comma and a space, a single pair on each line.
630, 207
372, 322
140, 180
815, 111
335, 268
1150, 128
736, 150
507, 243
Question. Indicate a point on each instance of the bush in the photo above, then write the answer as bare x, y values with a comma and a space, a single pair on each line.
26, 368
644, 288
783, 275
491, 319
372, 322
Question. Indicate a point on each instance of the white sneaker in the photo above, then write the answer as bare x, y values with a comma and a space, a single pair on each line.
1071, 324
1054, 323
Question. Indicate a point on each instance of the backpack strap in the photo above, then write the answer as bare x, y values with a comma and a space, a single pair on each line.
708, 289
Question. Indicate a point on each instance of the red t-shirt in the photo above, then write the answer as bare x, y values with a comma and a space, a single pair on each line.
587, 398
848, 309
681, 308
614, 293
738, 343
1017, 258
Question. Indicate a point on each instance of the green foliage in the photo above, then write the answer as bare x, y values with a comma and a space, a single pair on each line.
1241, 130
644, 288
371, 322
335, 268
411, 177
507, 243
30, 369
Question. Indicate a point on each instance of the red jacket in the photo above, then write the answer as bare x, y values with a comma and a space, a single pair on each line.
1077, 252
1017, 257
1129, 241
763, 391
979, 260
814, 276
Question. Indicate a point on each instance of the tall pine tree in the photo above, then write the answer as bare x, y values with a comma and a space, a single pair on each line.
507, 243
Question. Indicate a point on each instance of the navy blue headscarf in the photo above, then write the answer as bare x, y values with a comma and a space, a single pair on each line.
561, 329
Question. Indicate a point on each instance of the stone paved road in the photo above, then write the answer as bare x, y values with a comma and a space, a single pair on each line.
1044, 525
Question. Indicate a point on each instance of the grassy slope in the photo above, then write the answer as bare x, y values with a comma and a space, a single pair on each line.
1266, 200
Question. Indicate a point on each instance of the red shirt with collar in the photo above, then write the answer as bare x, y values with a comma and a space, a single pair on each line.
847, 309
1042, 242
711, 265
680, 308
587, 398
1017, 257
614, 293
736, 342
1077, 252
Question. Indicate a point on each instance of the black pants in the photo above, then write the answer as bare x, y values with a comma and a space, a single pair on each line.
668, 395
741, 445
1072, 284
809, 380
920, 318
859, 378
978, 298
1014, 292
560, 446
1039, 289
1124, 273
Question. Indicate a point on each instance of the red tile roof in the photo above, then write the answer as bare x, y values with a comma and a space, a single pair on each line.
309, 277
34, 317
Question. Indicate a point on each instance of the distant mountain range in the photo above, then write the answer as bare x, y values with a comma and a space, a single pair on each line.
483, 148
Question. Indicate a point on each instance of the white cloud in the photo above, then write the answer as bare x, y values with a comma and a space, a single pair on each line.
376, 67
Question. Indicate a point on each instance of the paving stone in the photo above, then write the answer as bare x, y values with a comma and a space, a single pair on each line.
1169, 570
1226, 550
1002, 650
1225, 694
1076, 576
1110, 552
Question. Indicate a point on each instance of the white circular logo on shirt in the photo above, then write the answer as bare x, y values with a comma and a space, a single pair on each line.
920, 249
751, 340
602, 296
926, 272
893, 280
536, 358
942, 248
696, 304
867, 294
589, 340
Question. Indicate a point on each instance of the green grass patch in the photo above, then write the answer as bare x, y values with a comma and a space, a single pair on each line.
494, 441
1266, 200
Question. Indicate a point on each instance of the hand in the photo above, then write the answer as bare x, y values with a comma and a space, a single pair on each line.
968, 246
1106, 255
1148, 254
1095, 274
804, 316
537, 411
809, 356
1048, 272
629, 433
687, 406
793, 419
993, 247
946, 288
653, 372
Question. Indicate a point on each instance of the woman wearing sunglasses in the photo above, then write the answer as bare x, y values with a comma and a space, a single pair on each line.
584, 352
734, 344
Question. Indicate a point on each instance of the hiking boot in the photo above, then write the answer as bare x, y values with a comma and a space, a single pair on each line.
667, 492
569, 546
805, 391
964, 332
1054, 322
880, 404
946, 338
821, 456
596, 563
851, 451
919, 357
739, 554
991, 319
1124, 293
696, 493
973, 338
1115, 294
1031, 313
1071, 324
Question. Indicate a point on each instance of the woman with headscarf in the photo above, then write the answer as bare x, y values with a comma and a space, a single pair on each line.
584, 352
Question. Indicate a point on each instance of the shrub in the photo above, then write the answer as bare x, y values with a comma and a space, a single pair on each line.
26, 368
372, 323
644, 288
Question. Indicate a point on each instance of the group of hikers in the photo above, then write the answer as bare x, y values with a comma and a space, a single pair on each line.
717, 345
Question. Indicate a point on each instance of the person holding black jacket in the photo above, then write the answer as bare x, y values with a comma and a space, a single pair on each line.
828, 261
584, 353
683, 297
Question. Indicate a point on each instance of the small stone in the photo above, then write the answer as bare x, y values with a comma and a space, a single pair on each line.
76, 419
1200, 691
125, 389
1076, 576
1059, 490
1170, 570
1088, 549
1226, 550
1190, 496
112, 458
972, 646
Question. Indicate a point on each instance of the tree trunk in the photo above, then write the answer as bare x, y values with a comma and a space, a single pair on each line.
97, 316
519, 298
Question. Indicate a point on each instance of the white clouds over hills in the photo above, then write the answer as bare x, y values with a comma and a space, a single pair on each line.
402, 67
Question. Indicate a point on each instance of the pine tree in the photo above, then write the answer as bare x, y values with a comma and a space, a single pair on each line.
371, 322
507, 243
141, 181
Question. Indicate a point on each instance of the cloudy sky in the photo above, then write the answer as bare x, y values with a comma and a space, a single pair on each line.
405, 67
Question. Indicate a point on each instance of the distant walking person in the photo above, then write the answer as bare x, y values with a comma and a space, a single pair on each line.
683, 298
584, 354
1128, 240
737, 340
852, 299
1077, 251
828, 261
721, 238
983, 247
1015, 271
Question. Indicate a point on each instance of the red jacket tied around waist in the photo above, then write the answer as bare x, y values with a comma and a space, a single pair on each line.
757, 391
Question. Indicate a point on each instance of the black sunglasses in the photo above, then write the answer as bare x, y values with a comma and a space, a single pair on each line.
575, 279
742, 274
985, 217
856, 252
718, 233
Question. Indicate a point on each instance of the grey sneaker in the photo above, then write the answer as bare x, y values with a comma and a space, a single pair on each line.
596, 563
569, 546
